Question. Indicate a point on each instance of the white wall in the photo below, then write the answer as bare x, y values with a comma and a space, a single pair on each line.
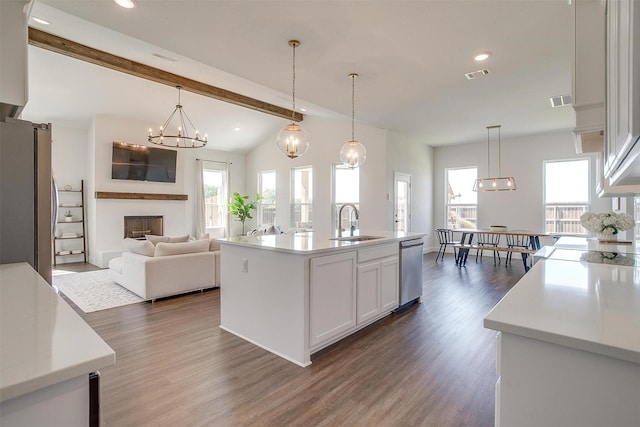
69, 166
410, 156
523, 159
326, 138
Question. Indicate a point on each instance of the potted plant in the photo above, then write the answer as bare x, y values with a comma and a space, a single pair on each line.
68, 217
241, 207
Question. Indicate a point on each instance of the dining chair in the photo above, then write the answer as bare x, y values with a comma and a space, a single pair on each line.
488, 241
445, 238
517, 241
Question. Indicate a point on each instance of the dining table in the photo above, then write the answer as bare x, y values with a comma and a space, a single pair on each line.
466, 241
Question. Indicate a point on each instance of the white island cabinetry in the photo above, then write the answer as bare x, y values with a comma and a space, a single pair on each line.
333, 296
296, 294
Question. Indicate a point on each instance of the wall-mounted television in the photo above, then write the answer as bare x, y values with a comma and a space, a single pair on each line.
142, 163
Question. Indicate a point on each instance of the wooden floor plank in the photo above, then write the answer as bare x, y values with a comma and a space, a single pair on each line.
431, 365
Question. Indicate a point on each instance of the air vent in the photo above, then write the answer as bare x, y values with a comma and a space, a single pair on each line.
479, 73
560, 101
166, 58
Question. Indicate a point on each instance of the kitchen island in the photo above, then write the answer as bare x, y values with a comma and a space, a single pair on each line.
294, 294
568, 350
48, 355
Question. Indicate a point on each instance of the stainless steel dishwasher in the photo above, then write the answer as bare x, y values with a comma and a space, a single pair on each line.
410, 270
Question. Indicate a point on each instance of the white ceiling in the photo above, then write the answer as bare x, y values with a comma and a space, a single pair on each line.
411, 57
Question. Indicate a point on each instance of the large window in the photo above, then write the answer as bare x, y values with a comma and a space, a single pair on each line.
267, 189
215, 198
346, 189
566, 195
302, 197
461, 201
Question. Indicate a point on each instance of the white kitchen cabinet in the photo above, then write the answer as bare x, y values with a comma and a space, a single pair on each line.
332, 296
622, 131
14, 56
378, 275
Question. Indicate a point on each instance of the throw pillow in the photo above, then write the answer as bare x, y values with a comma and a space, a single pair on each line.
141, 247
165, 249
214, 245
157, 239
179, 239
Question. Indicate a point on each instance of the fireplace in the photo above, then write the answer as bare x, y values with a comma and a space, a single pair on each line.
136, 227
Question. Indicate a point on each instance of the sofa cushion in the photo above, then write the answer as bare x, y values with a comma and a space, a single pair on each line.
214, 245
141, 247
157, 239
165, 249
166, 239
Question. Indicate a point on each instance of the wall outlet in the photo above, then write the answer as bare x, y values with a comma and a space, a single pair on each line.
245, 265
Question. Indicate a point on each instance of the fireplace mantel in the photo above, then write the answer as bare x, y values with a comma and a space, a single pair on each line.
139, 196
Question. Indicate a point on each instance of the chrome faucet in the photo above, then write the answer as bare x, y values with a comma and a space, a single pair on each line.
355, 211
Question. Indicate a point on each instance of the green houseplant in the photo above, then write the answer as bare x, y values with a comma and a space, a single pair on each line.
241, 207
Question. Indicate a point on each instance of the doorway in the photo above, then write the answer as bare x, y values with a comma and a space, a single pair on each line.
402, 202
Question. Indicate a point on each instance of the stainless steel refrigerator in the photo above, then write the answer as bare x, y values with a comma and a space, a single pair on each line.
26, 198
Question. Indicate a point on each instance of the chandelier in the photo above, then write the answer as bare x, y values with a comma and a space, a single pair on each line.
353, 153
185, 136
292, 140
499, 183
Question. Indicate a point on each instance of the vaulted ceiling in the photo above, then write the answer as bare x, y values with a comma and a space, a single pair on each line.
412, 57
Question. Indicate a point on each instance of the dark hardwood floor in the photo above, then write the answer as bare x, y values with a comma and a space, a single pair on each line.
431, 365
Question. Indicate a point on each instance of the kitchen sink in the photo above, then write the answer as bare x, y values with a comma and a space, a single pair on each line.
356, 238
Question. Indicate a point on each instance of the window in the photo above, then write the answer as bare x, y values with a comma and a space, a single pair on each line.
267, 189
215, 199
302, 197
461, 200
636, 216
346, 189
566, 195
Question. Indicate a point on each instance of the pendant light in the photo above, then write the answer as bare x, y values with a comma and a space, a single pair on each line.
499, 183
293, 140
185, 136
353, 153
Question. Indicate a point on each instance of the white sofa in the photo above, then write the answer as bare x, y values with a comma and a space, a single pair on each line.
167, 269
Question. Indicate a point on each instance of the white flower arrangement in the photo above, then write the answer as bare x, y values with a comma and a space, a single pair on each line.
613, 258
607, 223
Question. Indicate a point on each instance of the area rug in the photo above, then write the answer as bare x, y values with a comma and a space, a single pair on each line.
94, 290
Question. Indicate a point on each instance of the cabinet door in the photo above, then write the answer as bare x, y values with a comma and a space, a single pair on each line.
368, 284
332, 296
389, 289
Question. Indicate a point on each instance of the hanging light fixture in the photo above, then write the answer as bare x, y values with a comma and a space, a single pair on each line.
186, 136
499, 183
353, 153
292, 139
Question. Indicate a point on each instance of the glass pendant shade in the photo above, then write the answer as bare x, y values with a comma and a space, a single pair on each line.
293, 141
353, 154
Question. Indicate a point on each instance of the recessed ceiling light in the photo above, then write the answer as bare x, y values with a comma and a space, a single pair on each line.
303, 109
481, 56
41, 21
166, 58
127, 4
236, 129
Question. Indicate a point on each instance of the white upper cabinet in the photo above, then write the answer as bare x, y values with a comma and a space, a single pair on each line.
622, 130
13, 56
588, 61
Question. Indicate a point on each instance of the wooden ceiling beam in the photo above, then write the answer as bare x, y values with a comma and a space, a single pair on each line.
79, 51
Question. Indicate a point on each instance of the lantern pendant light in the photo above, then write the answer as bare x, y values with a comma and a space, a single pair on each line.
495, 183
353, 154
293, 140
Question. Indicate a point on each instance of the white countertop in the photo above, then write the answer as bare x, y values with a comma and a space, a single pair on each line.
592, 244
43, 341
316, 241
591, 307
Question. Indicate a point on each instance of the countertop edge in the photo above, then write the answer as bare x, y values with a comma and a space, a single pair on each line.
563, 340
